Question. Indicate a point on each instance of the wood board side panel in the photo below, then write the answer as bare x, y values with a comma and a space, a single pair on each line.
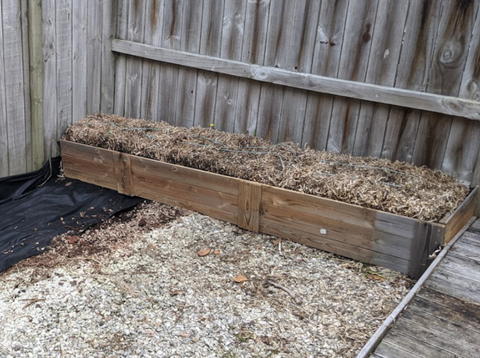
208, 202
123, 171
249, 198
89, 171
455, 221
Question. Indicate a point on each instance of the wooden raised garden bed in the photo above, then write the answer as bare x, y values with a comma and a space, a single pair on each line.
371, 236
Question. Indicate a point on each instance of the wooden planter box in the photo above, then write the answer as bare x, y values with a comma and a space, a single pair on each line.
371, 236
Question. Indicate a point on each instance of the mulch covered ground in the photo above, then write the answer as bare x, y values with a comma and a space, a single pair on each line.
381, 184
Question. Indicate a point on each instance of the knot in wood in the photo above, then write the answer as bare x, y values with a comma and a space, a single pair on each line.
450, 54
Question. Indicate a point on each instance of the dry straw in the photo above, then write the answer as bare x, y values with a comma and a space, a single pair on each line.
381, 184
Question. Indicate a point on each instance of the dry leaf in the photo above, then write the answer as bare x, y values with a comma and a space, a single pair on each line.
204, 252
240, 278
216, 252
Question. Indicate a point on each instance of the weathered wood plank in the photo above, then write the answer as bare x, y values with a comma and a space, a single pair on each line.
326, 60
302, 27
432, 328
121, 29
452, 309
88, 153
14, 82
465, 250
187, 77
123, 172
456, 220
134, 66
4, 169
416, 58
206, 201
194, 177
94, 55
26, 85
151, 70
455, 31
396, 349
359, 28
79, 60
253, 51
107, 83
210, 45
381, 70
454, 284
231, 48
63, 29
91, 172
276, 41
249, 198
351, 89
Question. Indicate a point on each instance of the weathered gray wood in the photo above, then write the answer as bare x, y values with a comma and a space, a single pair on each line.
412, 73
151, 101
134, 66
4, 169
455, 284
79, 60
231, 48
187, 77
107, 84
276, 40
63, 30
365, 91
326, 60
383, 61
210, 45
14, 79
450, 54
121, 61
94, 55
36, 84
26, 85
304, 23
359, 28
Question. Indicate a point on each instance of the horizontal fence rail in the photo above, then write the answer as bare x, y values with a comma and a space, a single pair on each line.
455, 106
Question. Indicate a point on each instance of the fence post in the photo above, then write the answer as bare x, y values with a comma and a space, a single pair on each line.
34, 16
108, 61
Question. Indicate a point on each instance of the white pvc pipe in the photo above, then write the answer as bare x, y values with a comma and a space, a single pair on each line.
375, 340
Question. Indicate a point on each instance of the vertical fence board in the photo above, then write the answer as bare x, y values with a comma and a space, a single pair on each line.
151, 71
107, 61
450, 54
133, 81
79, 60
231, 48
187, 78
326, 62
63, 31
94, 55
382, 64
4, 169
276, 49
299, 59
121, 61
12, 17
356, 46
50, 79
210, 44
412, 73
253, 51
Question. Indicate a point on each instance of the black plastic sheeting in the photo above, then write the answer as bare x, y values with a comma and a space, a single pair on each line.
35, 207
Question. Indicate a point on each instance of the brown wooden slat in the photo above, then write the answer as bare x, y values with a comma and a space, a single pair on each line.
88, 153
123, 171
460, 216
154, 168
275, 227
90, 172
249, 196
209, 202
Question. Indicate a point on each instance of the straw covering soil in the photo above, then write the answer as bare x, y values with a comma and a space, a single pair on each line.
381, 184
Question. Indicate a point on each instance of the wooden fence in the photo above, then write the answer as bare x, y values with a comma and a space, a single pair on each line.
385, 78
